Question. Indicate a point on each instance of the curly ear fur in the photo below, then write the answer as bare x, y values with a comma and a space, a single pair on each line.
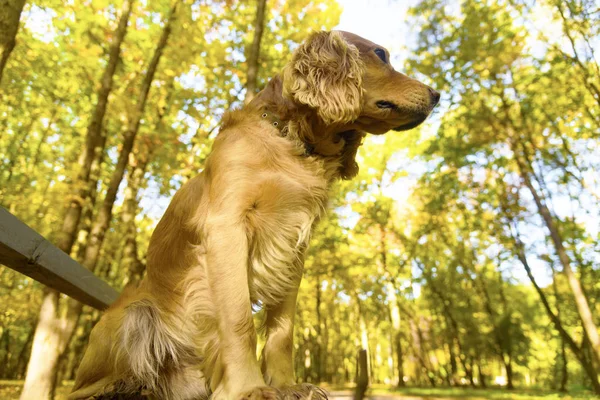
326, 74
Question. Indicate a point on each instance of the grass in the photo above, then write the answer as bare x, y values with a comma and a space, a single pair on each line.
10, 390
445, 393
498, 393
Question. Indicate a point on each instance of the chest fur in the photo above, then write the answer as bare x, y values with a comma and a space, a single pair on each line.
279, 226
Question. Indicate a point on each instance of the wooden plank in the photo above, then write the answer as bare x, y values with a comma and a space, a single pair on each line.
26, 251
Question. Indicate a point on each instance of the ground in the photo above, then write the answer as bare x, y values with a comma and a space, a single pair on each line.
9, 390
461, 393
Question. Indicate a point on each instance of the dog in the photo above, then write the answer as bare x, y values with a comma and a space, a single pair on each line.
236, 234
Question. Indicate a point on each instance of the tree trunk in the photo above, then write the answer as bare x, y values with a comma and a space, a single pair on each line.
9, 26
400, 358
502, 339
85, 224
482, 377
318, 331
94, 131
364, 334
587, 366
50, 337
325, 352
583, 308
453, 365
468, 370
451, 323
102, 221
420, 351
131, 262
5, 343
254, 53
564, 377
509, 373
362, 375
19, 370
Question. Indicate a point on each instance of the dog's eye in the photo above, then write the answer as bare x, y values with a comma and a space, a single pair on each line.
381, 54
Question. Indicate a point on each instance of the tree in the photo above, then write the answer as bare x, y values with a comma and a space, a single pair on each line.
53, 331
9, 26
254, 52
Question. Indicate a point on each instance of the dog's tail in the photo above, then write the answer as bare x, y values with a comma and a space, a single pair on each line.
151, 342
136, 348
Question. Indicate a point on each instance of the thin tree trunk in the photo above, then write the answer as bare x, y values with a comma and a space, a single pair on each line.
94, 131
502, 339
583, 307
53, 332
326, 353
585, 363
364, 334
102, 221
318, 331
563, 353
564, 376
362, 375
482, 377
9, 26
425, 360
507, 361
5, 341
85, 225
400, 358
451, 323
254, 53
19, 370
453, 365
131, 262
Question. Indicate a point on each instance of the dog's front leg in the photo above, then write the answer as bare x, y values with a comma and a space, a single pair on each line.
277, 361
239, 375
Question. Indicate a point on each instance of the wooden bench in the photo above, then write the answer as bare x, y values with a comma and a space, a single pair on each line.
27, 252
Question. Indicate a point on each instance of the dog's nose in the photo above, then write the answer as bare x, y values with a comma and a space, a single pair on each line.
435, 96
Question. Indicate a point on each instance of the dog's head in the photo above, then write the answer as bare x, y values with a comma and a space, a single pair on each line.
349, 83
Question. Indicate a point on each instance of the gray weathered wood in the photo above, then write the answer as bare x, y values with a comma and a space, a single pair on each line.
26, 251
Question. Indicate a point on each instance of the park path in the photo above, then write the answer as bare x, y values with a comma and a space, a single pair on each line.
347, 395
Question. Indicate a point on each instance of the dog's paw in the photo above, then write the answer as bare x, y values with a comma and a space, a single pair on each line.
260, 393
303, 391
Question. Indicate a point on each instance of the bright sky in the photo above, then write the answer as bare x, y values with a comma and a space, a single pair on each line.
380, 21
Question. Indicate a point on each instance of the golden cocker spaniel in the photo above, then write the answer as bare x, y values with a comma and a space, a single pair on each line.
235, 235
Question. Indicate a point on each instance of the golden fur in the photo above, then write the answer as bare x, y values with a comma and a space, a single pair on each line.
235, 235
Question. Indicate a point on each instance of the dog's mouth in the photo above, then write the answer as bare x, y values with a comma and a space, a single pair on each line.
410, 125
387, 105
418, 117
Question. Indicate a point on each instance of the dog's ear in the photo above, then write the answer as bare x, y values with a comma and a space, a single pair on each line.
325, 73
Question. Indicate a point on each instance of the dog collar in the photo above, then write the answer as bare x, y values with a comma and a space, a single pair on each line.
275, 121
278, 124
